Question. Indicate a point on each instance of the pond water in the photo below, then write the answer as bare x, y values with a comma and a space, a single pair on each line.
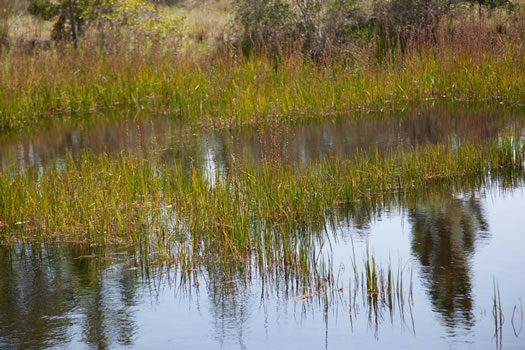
451, 246
453, 250
168, 140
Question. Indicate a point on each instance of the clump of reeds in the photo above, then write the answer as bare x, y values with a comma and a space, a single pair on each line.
383, 288
271, 216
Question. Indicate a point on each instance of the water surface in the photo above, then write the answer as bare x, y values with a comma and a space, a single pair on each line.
304, 142
449, 245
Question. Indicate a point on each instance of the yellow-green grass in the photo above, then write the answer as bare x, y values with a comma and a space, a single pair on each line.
229, 92
469, 60
245, 213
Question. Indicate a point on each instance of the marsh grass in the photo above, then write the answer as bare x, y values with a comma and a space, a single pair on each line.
270, 221
271, 217
475, 64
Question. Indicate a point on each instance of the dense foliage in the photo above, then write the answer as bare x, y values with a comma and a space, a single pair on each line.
319, 25
134, 14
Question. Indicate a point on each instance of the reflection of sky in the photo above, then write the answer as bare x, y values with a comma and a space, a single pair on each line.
166, 318
284, 323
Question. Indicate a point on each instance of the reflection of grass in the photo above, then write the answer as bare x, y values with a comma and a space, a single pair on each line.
497, 313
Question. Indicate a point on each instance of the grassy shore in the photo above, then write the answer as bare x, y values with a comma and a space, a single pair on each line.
229, 91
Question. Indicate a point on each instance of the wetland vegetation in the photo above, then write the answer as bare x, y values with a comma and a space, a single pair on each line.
465, 59
261, 149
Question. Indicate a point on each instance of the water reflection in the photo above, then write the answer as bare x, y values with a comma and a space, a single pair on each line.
34, 300
229, 309
76, 296
52, 296
168, 140
444, 235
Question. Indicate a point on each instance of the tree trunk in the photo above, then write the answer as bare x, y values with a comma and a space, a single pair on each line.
73, 26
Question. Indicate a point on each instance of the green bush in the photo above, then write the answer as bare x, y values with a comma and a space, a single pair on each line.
265, 24
133, 14
314, 26
85, 13
144, 16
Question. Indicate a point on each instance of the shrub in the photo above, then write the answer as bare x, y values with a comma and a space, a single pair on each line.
265, 24
133, 14
409, 16
492, 4
144, 16
314, 26
327, 25
85, 13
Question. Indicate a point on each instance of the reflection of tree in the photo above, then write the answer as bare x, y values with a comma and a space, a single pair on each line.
359, 216
170, 140
444, 236
34, 300
230, 298
108, 296
43, 291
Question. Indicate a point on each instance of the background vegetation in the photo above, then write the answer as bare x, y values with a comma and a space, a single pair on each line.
221, 64
254, 60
